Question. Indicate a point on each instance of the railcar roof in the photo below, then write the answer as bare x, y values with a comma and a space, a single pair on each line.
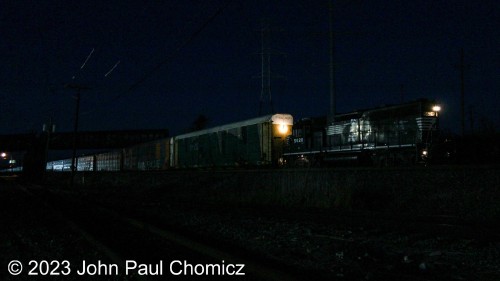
358, 113
253, 121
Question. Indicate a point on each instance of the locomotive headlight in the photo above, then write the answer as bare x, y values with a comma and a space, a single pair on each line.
436, 108
424, 152
282, 123
283, 129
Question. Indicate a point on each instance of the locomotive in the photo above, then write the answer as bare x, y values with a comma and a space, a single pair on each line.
400, 134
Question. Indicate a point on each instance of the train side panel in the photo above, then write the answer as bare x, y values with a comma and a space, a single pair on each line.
86, 163
109, 161
249, 142
154, 155
228, 147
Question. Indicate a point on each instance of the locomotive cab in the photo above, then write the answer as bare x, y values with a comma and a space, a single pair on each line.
387, 135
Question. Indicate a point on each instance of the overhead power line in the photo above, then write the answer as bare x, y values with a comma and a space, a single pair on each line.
172, 55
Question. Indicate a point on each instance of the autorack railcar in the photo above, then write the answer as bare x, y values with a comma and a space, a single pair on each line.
153, 155
252, 142
104, 161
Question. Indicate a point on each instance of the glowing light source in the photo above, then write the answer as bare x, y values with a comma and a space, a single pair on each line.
436, 108
3, 154
283, 129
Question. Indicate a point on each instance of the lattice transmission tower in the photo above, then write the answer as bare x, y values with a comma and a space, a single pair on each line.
266, 101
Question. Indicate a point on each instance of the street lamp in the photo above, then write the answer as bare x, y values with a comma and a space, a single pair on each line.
5, 156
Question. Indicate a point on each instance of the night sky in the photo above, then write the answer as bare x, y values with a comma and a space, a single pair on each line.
160, 64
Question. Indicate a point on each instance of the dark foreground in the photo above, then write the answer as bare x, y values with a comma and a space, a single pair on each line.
146, 224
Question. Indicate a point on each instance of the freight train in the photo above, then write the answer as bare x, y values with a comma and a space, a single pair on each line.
389, 135
400, 134
254, 142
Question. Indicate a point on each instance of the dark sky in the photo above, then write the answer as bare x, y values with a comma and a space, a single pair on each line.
179, 59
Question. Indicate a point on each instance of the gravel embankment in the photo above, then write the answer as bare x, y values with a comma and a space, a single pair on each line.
341, 245
31, 230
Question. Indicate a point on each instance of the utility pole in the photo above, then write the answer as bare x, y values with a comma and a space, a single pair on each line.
471, 118
48, 129
462, 91
78, 89
402, 93
332, 66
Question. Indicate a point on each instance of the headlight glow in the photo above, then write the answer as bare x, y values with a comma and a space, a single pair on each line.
436, 108
283, 129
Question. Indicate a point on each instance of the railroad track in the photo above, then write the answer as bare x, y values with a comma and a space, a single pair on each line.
122, 239
122, 235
